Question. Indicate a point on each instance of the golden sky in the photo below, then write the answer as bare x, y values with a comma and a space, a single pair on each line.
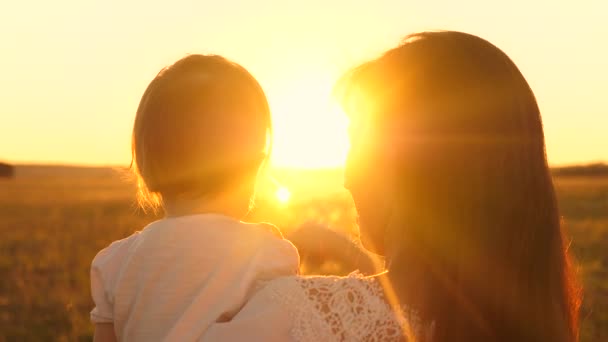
73, 71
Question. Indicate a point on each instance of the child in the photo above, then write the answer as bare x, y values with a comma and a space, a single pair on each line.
200, 136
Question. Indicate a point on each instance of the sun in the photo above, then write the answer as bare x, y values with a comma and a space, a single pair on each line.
309, 127
283, 195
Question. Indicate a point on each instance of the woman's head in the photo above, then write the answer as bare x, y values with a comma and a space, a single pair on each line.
202, 126
448, 170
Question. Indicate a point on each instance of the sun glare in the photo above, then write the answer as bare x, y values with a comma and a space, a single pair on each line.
283, 195
310, 130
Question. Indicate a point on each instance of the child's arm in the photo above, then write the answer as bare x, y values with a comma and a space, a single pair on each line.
317, 243
104, 332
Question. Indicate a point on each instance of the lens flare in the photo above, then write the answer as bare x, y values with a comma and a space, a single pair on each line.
283, 195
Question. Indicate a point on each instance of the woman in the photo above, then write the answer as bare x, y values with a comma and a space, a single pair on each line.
448, 172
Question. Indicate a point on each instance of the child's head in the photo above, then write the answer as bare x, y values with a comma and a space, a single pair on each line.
202, 127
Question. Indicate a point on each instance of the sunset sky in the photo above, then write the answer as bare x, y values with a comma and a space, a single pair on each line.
74, 71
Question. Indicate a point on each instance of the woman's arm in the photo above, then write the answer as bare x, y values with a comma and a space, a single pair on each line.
104, 332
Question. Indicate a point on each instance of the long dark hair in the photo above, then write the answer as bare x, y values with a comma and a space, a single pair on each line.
476, 239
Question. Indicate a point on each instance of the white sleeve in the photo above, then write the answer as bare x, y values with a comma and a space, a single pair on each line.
265, 317
103, 311
307, 309
314, 309
104, 271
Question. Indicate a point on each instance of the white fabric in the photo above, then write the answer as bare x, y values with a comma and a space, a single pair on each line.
318, 309
179, 275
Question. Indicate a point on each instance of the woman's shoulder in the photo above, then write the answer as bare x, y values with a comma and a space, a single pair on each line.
323, 287
351, 308
354, 288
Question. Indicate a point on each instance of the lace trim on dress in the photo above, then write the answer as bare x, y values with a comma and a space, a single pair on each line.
349, 308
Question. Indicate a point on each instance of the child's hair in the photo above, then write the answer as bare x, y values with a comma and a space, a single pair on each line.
202, 124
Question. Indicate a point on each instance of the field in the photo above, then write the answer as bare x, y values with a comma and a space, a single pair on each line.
54, 219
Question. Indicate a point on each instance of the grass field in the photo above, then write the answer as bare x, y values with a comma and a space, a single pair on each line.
53, 221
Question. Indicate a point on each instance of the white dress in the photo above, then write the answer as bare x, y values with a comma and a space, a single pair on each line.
179, 275
319, 309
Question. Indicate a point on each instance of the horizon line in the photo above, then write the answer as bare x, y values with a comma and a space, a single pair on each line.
125, 166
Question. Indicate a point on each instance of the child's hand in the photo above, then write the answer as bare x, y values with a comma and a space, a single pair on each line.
317, 243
